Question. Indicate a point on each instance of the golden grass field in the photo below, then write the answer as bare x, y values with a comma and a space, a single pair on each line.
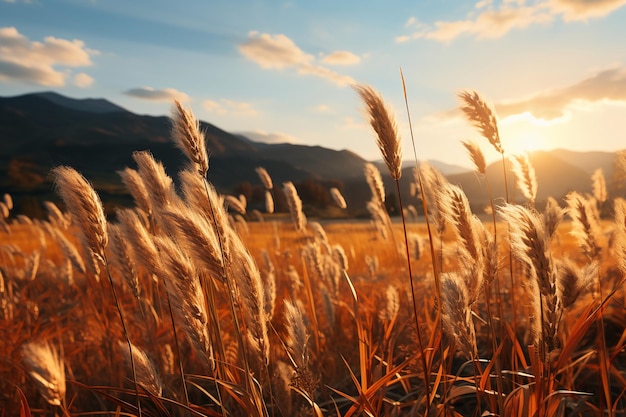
187, 305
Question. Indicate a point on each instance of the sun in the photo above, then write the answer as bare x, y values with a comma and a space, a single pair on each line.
526, 143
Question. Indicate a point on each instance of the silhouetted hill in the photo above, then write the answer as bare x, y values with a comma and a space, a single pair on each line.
42, 130
589, 161
89, 105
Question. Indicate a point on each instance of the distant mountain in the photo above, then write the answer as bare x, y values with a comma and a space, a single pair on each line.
589, 161
43, 130
448, 169
558, 172
89, 105
443, 167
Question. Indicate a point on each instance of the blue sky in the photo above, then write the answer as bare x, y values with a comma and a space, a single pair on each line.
555, 70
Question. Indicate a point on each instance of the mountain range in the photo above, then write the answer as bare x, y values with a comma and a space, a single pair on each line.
41, 130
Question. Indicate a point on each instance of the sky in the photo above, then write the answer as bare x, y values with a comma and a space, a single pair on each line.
285, 71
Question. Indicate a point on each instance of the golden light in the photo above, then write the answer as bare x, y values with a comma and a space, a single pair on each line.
525, 142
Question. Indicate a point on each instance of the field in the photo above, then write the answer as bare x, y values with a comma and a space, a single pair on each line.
188, 305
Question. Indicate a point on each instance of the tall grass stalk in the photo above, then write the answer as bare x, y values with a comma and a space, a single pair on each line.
388, 142
86, 208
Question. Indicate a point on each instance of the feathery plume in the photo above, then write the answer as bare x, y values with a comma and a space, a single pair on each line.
8, 200
56, 216
338, 198
147, 375
235, 204
298, 337
375, 182
295, 206
160, 187
135, 185
585, 225
265, 178
457, 315
84, 205
383, 123
476, 155
188, 137
69, 250
269, 202
122, 259
392, 304
140, 241
47, 370
526, 179
573, 281
186, 296
599, 185
482, 116
531, 245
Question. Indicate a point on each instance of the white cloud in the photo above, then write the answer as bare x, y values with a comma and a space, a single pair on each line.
350, 124
494, 21
274, 137
556, 105
584, 9
341, 58
278, 52
149, 93
37, 62
225, 106
83, 80
606, 85
322, 108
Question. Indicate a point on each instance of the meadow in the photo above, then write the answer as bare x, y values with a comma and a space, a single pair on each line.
186, 304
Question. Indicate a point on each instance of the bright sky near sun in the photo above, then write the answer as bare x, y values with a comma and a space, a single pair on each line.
555, 70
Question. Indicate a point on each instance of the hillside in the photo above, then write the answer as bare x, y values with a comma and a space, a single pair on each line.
97, 137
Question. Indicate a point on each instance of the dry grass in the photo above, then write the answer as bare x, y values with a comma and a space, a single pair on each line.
223, 315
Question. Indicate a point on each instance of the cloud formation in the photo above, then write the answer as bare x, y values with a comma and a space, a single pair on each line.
606, 85
496, 21
225, 106
278, 52
149, 93
38, 62
341, 58
83, 80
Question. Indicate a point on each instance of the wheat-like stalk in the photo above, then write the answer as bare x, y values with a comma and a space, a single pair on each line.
482, 116
599, 186
269, 202
375, 182
265, 178
526, 178
338, 198
531, 245
122, 258
147, 375
141, 243
235, 204
47, 369
295, 206
476, 155
187, 298
159, 185
69, 250
585, 224
188, 137
457, 314
135, 185
85, 207
383, 123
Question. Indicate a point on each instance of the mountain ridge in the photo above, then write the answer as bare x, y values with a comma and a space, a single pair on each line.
41, 130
